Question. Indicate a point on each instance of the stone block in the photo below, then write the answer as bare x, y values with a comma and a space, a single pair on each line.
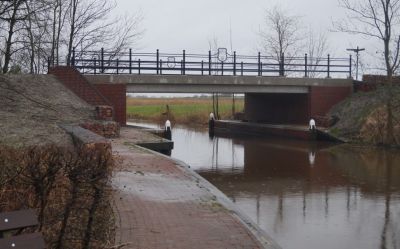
104, 112
107, 129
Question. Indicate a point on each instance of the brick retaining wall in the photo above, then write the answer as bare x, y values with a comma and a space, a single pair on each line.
98, 95
116, 94
371, 82
74, 81
322, 99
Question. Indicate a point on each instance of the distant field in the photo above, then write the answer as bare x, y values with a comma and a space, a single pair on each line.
181, 110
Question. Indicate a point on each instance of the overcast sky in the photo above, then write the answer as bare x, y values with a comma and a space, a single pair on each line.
173, 25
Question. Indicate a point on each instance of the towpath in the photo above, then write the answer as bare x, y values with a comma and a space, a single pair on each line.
160, 203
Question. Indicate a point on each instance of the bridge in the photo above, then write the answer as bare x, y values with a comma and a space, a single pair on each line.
284, 90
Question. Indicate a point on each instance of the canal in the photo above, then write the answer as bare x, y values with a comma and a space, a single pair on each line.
305, 195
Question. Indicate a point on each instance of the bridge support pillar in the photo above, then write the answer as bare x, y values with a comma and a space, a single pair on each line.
323, 98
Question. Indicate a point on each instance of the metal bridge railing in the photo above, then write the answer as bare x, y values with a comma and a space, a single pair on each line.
219, 63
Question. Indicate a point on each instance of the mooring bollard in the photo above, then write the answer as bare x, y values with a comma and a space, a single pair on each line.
313, 129
211, 123
167, 130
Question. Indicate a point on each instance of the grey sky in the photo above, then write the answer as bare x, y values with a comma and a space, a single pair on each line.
174, 25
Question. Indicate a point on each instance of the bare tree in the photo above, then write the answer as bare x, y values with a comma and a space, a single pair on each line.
213, 46
126, 32
90, 25
280, 34
32, 32
58, 16
317, 48
379, 19
34, 35
86, 23
12, 13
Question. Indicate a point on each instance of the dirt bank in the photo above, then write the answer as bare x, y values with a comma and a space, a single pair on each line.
31, 106
40, 168
363, 117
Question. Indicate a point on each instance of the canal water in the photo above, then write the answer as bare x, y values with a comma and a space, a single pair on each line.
305, 195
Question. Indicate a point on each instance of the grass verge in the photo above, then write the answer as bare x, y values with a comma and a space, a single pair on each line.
180, 110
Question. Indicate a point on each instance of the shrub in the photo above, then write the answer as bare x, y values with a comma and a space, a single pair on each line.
69, 190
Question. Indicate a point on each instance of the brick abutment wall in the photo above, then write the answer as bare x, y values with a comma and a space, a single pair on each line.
98, 95
74, 81
379, 79
322, 99
371, 82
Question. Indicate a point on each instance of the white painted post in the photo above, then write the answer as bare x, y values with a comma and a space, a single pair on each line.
168, 130
212, 117
211, 122
312, 125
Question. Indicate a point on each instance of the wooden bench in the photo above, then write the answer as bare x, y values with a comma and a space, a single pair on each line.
12, 223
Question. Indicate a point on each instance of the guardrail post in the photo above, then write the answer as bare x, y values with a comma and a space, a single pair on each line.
102, 60
181, 67
222, 68
234, 63
282, 65
157, 61
184, 62
329, 65
161, 67
130, 61
241, 68
117, 66
261, 68
305, 65
139, 69
209, 62
95, 64
259, 62
202, 67
48, 64
350, 67
73, 56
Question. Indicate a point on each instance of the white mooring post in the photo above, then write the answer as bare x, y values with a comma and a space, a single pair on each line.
212, 117
313, 129
168, 130
312, 125
211, 122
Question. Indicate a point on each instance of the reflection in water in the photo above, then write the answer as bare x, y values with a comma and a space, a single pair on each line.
311, 157
305, 195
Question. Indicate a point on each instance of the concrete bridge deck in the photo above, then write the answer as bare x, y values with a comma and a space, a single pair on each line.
216, 84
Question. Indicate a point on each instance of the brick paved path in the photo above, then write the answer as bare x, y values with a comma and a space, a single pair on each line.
161, 205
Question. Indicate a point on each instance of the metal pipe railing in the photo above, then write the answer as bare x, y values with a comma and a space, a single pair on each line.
109, 62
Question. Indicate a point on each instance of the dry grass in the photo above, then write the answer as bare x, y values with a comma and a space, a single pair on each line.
181, 110
69, 190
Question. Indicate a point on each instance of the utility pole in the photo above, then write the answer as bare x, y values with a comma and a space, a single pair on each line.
357, 51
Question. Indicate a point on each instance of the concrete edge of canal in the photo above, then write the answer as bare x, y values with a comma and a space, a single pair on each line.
265, 240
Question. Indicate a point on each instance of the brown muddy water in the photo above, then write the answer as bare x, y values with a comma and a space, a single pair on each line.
305, 195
